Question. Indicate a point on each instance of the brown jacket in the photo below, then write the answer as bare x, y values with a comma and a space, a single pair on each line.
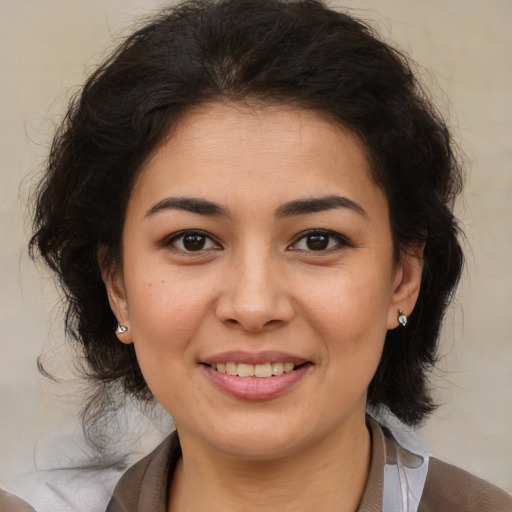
143, 488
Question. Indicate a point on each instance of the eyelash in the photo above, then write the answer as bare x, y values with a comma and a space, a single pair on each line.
340, 241
171, 241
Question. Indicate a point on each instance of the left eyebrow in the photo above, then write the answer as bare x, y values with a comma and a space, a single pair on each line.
188, 204
318, 204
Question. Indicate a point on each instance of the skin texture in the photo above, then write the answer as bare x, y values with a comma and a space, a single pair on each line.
256, 285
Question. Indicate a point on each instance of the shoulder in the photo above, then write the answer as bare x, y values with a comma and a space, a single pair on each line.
144, 485
451, 489
11, 503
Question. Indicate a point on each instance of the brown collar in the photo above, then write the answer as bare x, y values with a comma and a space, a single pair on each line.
144, 486
374, 489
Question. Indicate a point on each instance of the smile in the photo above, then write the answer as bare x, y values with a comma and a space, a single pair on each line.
256, 381
263, 370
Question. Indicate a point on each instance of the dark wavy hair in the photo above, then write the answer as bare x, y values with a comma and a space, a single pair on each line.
298, 53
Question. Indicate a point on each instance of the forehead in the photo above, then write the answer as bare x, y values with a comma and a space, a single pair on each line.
228, 150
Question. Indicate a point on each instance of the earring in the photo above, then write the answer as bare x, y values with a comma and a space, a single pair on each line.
402, 319
121, 329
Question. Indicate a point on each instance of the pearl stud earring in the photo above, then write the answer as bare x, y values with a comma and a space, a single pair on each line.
402, 319
121, 329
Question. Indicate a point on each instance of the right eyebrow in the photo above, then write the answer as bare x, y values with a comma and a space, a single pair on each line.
188, 204
318, 204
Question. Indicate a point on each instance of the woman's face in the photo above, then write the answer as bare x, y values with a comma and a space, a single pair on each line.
256, 242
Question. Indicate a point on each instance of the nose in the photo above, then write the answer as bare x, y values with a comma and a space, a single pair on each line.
254, 295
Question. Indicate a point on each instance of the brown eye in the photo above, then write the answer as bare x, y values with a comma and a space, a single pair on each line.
318, 241
193, 241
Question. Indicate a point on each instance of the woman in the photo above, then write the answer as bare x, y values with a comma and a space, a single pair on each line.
249, 207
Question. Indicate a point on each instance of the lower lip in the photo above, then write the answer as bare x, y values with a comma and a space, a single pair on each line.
256, 388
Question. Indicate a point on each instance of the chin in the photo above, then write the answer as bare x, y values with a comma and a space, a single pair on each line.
264, 439
260, 446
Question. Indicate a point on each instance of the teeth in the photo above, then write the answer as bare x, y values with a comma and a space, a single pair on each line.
263, 370
231, 368
245, 370
277, 368
288, 367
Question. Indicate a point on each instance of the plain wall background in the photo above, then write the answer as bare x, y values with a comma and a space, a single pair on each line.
464, 48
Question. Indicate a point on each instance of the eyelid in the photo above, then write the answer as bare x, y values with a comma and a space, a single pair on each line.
342, 240
170, 239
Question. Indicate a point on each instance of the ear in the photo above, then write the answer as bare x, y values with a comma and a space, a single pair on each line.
406, 284
114, 283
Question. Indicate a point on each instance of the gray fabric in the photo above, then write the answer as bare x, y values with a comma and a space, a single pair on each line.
405, 474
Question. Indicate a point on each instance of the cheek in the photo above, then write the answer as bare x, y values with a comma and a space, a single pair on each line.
352, 305
165, 319
350, 314
165, 314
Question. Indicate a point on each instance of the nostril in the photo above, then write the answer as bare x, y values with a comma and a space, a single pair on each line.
252, 325
253, 313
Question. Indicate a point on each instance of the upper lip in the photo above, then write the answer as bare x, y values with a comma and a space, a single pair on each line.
268, 356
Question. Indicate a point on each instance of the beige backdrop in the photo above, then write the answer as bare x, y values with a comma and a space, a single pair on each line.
465, 49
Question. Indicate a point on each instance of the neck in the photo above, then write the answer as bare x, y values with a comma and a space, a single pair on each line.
329, 475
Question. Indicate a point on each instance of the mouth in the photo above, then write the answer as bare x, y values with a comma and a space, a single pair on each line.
261, 370
251, 376
256, 381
